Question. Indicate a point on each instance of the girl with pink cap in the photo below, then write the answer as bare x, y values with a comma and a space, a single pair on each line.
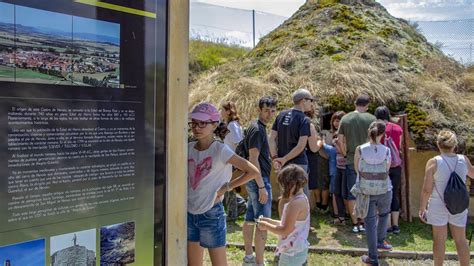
209, 172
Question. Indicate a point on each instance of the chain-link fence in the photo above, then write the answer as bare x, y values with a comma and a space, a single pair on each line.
230, 25
246, 27
454, 37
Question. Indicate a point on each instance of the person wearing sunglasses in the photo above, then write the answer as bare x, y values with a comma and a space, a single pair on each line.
209, 177
289, 135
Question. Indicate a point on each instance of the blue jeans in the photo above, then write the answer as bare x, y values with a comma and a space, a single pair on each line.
209, 228
348, 182
376, 222
331, 152
254, 207
296, 260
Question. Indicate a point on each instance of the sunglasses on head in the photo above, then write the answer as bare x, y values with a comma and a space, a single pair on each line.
200, 124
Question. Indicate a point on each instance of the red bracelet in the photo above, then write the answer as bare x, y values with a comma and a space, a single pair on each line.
274, 157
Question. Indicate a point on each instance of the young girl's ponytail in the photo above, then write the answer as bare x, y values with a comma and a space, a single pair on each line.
377, 128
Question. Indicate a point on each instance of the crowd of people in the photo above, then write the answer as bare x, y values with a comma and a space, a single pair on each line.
355, 167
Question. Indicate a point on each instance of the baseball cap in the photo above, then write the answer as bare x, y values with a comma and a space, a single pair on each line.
301, 94
205, 112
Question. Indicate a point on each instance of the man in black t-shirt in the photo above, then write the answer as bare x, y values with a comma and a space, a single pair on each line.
290, 133
260, 197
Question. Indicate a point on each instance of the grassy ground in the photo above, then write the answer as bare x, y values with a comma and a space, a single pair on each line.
206, 55
6, 72
30, 74
234, 257
414, 236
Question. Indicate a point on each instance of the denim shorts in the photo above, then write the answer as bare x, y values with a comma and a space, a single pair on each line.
209, 228
348, 182
254, 207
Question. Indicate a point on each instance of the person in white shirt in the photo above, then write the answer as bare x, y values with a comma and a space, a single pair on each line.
372, 164
209, 177
433, 210
229, 115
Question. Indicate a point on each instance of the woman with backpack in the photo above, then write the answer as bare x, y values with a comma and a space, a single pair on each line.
393, 140
439, 172
373, 190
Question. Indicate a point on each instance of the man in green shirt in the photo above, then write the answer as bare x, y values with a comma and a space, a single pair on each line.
352, 133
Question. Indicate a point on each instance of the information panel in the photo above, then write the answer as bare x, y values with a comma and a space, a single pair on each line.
82, 89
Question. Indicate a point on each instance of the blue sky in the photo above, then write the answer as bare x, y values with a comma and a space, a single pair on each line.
60, 22
85, 238
86, 25
30, 253
407, 9
40, 18
6, 13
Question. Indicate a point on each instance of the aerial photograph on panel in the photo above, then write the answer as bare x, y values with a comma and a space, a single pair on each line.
96, 58
7, 42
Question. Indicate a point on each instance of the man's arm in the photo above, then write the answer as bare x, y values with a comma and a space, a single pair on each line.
272, 144
313, 140
297, 150
262, 191
357, 160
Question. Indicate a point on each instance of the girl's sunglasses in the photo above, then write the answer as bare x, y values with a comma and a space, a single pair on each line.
200, 124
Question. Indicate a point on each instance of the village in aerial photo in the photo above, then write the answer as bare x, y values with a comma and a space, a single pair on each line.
38, 46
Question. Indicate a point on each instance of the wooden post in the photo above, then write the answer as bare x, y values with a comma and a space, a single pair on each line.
176, 128
405, 179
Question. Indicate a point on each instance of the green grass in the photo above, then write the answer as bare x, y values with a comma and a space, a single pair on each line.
235, 255
6, 72
30, 74
206, 55
414, 236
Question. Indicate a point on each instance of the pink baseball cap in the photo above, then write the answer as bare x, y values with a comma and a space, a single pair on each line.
205, 112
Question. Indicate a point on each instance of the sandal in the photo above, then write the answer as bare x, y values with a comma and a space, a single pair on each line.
339, 221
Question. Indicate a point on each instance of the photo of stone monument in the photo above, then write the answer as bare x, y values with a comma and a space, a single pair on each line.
117, 244
77, 248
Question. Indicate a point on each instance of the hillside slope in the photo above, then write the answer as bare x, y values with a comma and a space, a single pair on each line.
341, 48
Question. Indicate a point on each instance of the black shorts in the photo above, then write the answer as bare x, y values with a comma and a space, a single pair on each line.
318, 172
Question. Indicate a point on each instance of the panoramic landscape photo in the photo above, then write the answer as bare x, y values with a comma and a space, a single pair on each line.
7, 42
96, 58
38, 46
43, 48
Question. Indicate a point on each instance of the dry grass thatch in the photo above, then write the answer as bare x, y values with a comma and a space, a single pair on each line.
352, 54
